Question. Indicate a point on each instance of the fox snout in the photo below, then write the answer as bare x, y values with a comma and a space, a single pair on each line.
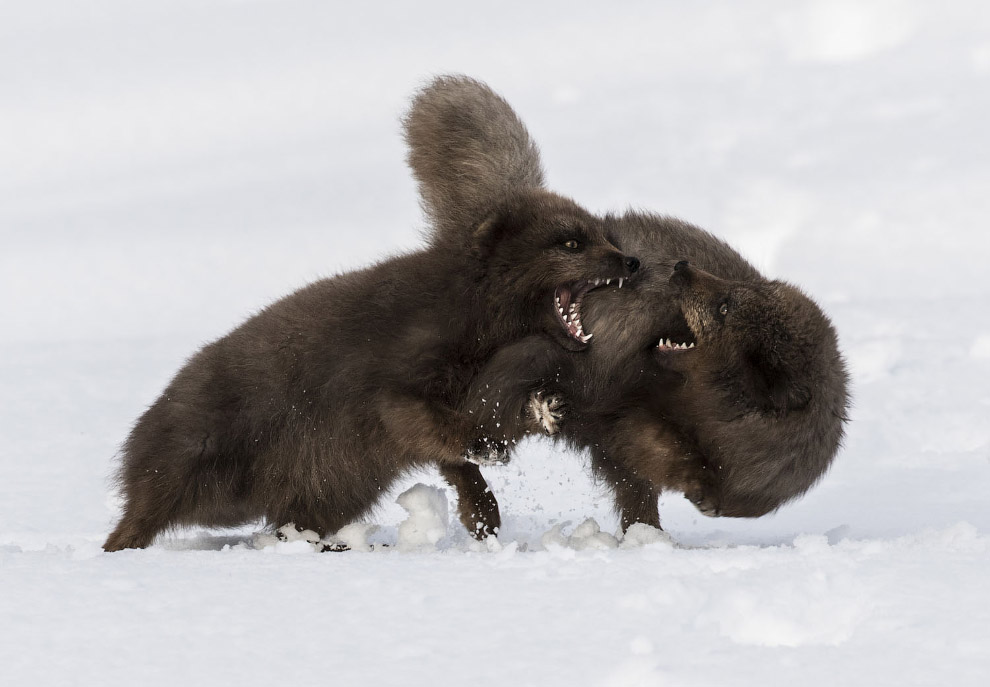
615, 263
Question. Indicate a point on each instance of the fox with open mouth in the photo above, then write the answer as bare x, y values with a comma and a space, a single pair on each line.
308, 411
704, 377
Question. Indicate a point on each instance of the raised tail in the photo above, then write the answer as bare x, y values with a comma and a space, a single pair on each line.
467, 150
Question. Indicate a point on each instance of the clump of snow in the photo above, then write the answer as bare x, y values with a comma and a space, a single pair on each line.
640, 534
355, 536
490, 544
587, 535
290, 539
427, 521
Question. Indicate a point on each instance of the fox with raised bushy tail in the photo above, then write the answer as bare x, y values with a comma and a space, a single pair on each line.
310, 410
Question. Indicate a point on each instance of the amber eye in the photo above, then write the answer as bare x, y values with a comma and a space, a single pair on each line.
723, 309
571, 245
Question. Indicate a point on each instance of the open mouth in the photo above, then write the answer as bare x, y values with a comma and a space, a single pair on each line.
670, 345
677, 337
567, 301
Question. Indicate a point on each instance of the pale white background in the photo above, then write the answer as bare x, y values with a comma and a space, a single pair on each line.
167, 168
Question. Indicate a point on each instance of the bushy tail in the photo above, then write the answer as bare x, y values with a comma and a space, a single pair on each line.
467, 150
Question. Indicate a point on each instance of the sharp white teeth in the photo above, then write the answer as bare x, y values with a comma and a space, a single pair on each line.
620, 282
668, 344
691, 346
587, 337
607, 282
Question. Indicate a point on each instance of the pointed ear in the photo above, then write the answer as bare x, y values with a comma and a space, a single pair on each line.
486, 233
773, 388
785, 394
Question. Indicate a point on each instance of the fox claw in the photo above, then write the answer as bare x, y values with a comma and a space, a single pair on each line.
547, 411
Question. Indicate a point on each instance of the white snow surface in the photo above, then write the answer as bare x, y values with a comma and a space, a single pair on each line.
171, 167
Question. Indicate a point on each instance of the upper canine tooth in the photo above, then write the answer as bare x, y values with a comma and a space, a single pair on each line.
620, 282
607, 282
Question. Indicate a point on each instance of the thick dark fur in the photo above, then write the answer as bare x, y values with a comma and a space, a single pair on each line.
310, 410
747, 420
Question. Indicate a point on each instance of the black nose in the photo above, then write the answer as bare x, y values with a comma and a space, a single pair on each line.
632, 264
680, 265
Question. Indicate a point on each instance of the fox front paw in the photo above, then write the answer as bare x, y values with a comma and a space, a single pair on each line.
547, 411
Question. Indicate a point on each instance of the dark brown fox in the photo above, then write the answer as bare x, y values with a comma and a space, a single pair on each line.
729, 388
308, 411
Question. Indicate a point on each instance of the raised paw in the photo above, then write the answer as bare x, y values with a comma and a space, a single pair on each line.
487, 451
704, 499
547, 411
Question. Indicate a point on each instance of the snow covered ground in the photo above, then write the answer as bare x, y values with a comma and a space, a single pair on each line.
170, 167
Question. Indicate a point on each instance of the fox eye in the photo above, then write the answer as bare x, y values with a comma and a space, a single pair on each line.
723, 309
572, 244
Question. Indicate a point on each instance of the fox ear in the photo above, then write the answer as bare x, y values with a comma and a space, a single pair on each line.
487, 233
786, 395
774, 388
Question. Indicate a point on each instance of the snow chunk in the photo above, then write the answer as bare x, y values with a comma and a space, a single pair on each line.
355, 536
640, 534
427, 521
290, 539
587, 535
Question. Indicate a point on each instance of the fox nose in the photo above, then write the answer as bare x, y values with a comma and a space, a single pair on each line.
680, 265
632, 264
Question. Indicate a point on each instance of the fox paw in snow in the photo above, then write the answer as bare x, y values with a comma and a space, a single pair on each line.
487, 451
547, 411
292, 532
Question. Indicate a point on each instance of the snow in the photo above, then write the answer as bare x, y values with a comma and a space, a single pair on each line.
427, 521
171, 167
